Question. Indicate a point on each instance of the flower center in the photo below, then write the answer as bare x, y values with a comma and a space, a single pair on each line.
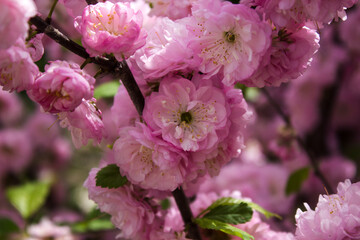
229, 37
186, 117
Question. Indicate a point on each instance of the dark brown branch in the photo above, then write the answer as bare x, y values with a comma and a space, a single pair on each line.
91, 2
121, 70
183, 204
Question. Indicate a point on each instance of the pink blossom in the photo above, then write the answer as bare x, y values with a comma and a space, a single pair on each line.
15, 15
129, 212
111, 28
229, 38
232, 140
17, 69
294, 13
186, 116
35, 47
84, 123
166, 51
336, 216
287, 58
172, 9
148, 161
47, 229
62, 87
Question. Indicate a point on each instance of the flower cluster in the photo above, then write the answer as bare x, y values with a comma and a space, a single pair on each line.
336, 216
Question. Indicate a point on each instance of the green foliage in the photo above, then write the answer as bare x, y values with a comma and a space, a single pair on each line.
7, 226
94, 221
224, 227
165, 204
110, 177
296, 180
92, 225
233, 201
28, 198
106, 90
233, 214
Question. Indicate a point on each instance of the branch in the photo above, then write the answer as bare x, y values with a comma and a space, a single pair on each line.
122, 71
186, 214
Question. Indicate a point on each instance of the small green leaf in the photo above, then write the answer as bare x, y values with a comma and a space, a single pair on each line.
110, 177
233, 201
165, 204
7, 226
296, 179
233, 214
28, 198
259, 209
106, 90
224, 227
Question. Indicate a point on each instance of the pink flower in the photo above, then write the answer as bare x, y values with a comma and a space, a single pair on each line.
15, 15
173, 9
62, 87
186, 116
84, 123
17, 69
231, 138
230, 39
287, 58
111, 28
294, 13
166, 51
335, 217
148, 161
129, 212
35, 47
47, 229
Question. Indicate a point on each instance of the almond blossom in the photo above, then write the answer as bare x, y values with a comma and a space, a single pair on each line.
148, 161
62, 87
336, 216
17, 69
229, 38
111, 28
84, 123
186, 116
14, 17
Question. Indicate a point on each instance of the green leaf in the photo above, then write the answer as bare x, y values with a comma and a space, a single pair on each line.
233, 214
233, 201
110, 177
7, 226
106, 90
92, 225
296, 179
28, 198
259, 209
224, 227
165, 204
